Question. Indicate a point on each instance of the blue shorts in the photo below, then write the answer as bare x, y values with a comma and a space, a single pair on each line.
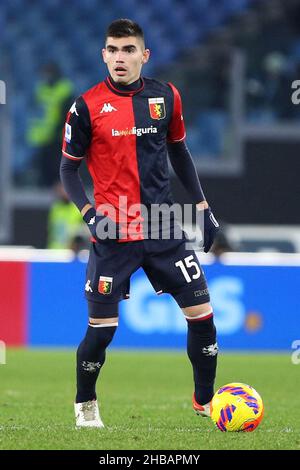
169, 265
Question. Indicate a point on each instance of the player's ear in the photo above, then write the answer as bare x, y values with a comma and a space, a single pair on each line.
104, 56
146, 55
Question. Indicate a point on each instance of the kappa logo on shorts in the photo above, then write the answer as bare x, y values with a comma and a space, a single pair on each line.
88, 286
105, 285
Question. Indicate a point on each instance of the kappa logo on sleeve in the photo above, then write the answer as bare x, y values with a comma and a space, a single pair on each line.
105, 285
73, 109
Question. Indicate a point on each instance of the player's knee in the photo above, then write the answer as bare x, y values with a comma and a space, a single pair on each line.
201, 323
103, 322
198, 312
102, 315
97, 339
102, 330
203, 334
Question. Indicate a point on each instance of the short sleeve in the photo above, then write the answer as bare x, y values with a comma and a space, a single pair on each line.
176, 131
77, 131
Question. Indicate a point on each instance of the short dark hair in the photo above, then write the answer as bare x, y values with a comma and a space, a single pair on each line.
124, 28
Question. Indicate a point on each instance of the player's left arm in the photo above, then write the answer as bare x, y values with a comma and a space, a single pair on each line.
180, 157
184, 167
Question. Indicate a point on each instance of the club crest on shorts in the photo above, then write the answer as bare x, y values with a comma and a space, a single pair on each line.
157, 108
105, 285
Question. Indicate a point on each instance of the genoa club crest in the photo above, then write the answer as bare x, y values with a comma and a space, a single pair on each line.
157, 108
105, 285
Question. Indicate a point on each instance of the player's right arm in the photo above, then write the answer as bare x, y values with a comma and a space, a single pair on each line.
76, 142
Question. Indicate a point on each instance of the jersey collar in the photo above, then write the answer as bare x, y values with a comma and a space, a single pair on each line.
123, 90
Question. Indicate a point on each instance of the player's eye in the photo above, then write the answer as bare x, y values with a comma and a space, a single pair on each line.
111, 50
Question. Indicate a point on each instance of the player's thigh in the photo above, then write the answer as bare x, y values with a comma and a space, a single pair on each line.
103, 314
109, 269
172, 267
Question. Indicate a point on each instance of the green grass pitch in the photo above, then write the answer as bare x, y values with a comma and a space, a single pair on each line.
145, 402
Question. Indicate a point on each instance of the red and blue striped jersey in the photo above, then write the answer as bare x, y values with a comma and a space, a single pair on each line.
123, 136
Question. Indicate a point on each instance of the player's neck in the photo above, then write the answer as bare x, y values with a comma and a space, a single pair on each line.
131, 87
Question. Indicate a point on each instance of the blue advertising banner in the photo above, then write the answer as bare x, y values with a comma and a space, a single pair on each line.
57, 309
255, 307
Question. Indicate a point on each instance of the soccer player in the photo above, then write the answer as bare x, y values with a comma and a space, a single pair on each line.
125, 127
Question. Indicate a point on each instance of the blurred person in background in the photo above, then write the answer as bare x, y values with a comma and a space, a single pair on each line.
64, 221
268, 94
124, 127
221, 243
78, 244
53, 97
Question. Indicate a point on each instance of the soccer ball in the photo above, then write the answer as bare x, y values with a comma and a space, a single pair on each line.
237, 407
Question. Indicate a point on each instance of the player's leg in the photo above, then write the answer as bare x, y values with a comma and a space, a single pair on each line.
103, 322
108, 274
174, 268
202, 350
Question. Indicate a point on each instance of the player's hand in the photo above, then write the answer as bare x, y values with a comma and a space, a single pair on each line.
211, 228
92, 219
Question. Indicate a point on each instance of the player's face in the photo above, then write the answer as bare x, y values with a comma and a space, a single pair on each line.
125, 58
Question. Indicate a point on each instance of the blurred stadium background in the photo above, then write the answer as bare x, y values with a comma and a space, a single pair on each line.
234, 62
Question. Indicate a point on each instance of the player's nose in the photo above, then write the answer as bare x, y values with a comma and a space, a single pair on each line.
120, 57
